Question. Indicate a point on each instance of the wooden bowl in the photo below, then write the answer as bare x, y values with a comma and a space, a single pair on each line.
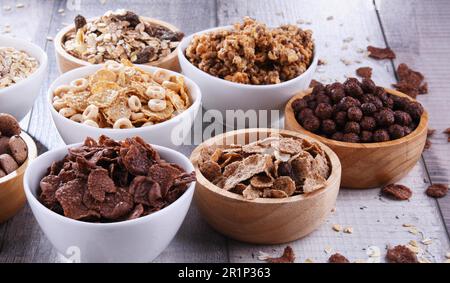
368, 165
67, 62
264, 220
12, 195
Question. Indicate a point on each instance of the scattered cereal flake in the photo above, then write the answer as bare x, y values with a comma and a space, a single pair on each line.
348, 230
49, 38
300, 21
408, 225
61, 10
346, 62
287, 257
348, 39
6, 8
427, 241
360, 50
373, 251
20, 5
263, 256
328, 249
330, 18
322, 62
424, 260
333, 209
309, 260
413, 243
413, 231
414, 249
337, 227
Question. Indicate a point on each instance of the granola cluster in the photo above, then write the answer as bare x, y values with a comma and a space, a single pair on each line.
274, 167
252, 53
120, 35
15, 65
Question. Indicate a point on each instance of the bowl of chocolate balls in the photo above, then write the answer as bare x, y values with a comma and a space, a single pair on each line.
377, 133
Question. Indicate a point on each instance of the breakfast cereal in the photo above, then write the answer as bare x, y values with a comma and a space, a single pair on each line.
15, 66
13, 149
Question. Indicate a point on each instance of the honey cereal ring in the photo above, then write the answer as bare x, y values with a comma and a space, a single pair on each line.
171, 85
59, 104
137, 116
90, 123
62, 89
67, 112
146, 124
134, 103
79, 84
113, 66
77, 118
155, 92
157, 105
123, 123
90, 113
160, 76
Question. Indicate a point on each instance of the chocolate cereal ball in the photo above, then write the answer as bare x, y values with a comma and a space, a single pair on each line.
304, 113
353, 88
340, 118
396, 131
354, 114
311, 123
368, 85
380, 135
350, 137
336, 92
385, 117
368, 108
323, 98
368, 123
414, 109
323, 111
328, 126
366, 136
338, 136
348, 102
318, 88
352, 127
299, 104
402, 118
400, 102
407, 130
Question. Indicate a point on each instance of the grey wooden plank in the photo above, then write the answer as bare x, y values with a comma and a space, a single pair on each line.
377, 224
419, 33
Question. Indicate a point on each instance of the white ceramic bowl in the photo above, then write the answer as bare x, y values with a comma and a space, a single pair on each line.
169, 133
138, 240
18, 99
224, 95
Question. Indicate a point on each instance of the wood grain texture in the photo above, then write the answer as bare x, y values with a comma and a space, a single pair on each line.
369, 165
419, 33
263, 220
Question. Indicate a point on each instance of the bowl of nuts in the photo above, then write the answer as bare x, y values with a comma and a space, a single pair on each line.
249, 66
113, 201
23, 66
122, 100
117, 35
17, 149
378, 134
265, 186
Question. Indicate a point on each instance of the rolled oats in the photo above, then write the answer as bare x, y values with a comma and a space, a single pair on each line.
252, 53
15, 65
120, 35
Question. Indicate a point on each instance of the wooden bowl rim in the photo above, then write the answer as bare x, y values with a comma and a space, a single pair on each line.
32, 154
334, 174
61, 34
423, 124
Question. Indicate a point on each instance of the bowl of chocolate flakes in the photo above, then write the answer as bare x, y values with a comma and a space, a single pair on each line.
117, 35
377, 133
114, 201
265, 186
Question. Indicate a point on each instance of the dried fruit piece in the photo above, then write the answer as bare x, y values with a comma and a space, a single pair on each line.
338, 258
437, 190
380, 53
401, 254
397, 191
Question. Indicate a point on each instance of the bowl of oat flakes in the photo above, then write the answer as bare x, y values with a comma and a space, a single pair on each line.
117, 35
22, 69
249, 65
122, 100
265, 186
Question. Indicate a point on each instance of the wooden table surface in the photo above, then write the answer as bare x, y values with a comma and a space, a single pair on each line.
418, 32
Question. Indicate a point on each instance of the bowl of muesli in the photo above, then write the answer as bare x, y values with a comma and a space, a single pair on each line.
117, 35
122, 100
249, 65
108, 200
23, 66
265, 186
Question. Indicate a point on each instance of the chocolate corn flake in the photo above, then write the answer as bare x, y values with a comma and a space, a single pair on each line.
288, 256
397, 192
380, 53
109, 181
364, 72
410, 82
273, 167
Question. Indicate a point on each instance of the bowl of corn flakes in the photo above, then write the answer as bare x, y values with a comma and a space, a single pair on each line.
23, 66
122, 100
249, 65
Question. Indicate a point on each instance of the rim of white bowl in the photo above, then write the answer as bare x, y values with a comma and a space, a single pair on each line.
32, 198
94, 67
43, 61
186, 40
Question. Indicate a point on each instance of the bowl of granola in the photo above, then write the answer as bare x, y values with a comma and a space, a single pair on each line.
117, 35
111, 201
17, 150
265, 186
249, 65
123, 100
23, 66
